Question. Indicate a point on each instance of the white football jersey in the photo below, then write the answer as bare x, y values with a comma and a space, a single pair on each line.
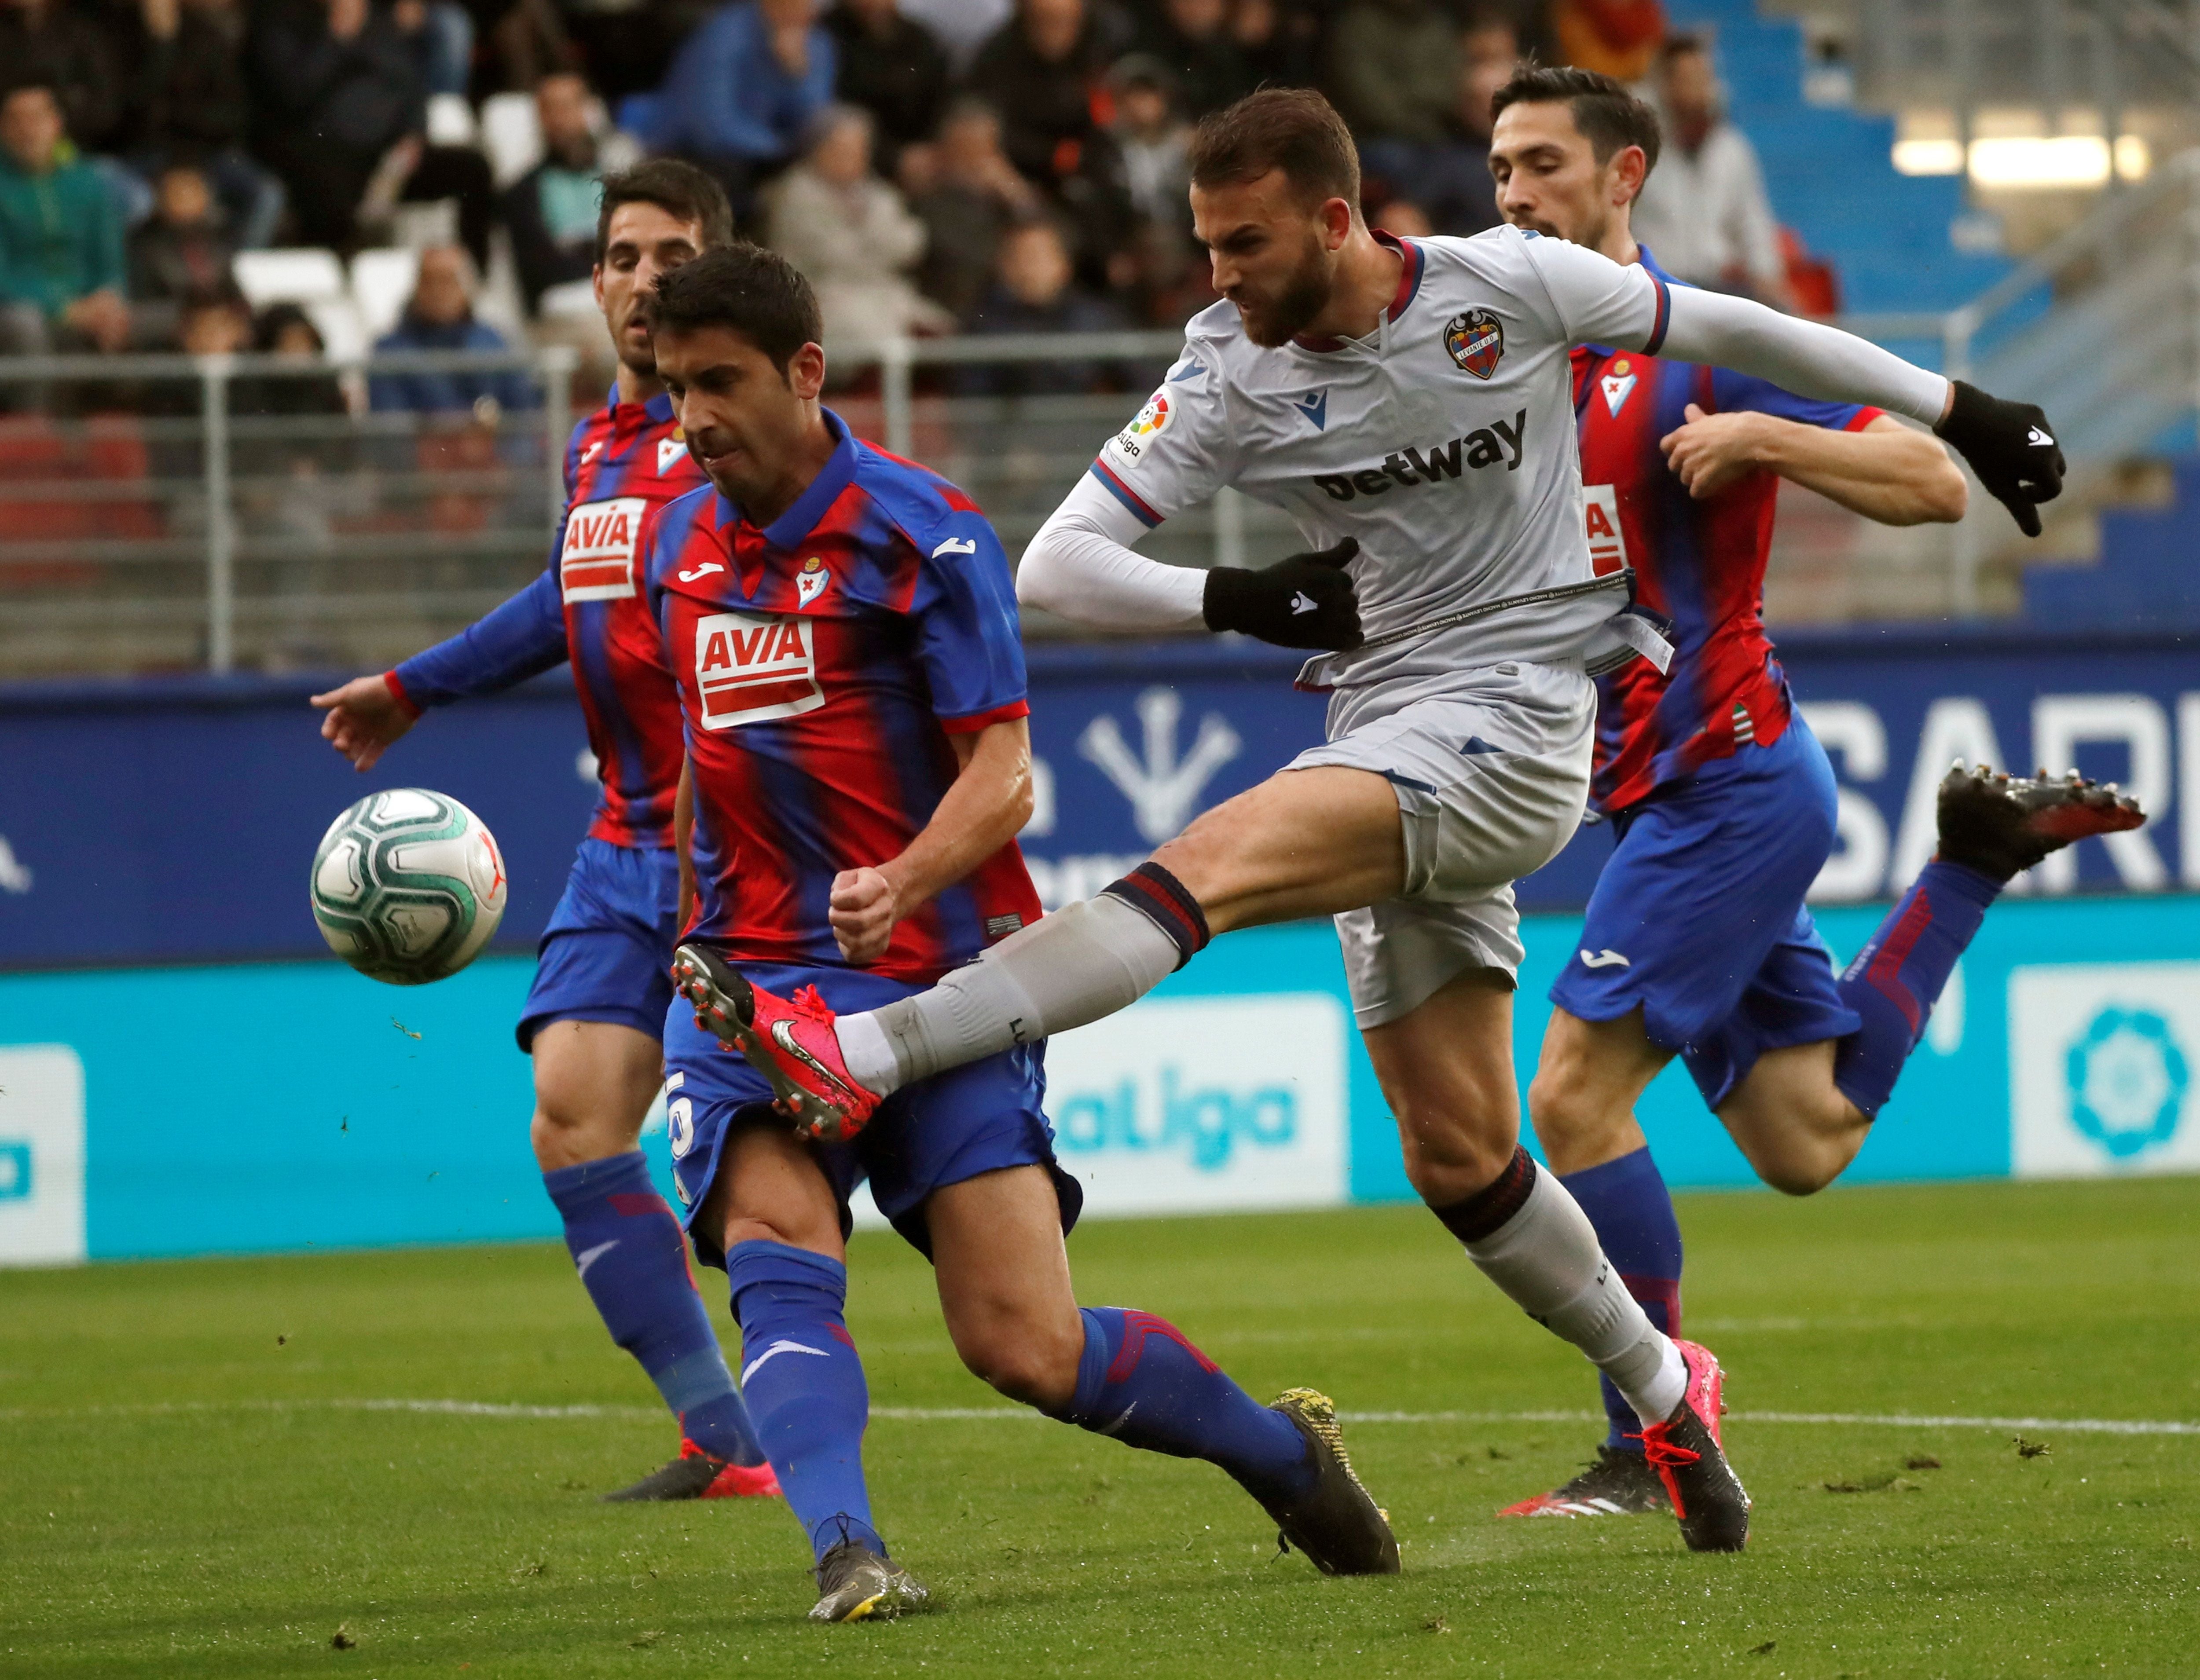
1444, 442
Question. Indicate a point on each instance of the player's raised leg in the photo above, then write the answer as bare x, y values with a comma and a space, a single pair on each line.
1004, 1288
777, 1220
594, 1082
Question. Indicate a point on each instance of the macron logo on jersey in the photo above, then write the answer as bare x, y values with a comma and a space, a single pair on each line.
597, 561
750, 668
1315, 405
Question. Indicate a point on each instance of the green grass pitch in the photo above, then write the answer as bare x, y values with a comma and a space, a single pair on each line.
188, 1487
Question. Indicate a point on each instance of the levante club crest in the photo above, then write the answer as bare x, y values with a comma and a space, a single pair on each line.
1476, 341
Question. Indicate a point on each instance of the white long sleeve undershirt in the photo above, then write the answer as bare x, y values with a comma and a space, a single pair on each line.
1805, 356
1081, 566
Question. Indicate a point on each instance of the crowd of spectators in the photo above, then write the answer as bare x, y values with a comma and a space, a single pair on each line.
988, 166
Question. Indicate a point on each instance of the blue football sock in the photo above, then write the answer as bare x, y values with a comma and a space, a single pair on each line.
1897, 978
805, 1386
1141, 1381
633, 1261
1627, 1201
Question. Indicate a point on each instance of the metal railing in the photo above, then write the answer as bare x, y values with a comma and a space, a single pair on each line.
171, 512
176, 511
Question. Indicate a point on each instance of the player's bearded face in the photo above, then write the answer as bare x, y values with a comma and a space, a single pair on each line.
1277, 310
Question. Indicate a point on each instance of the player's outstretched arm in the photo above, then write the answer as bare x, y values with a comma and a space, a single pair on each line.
1886, 471
2008, 444
988, 802
1081, 567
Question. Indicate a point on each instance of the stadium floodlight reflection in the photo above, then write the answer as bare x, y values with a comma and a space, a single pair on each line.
2029, 160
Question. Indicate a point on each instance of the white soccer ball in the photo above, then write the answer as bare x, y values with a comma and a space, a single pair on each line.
408, 886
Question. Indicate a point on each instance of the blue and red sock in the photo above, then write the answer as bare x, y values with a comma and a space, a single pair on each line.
1141, 1380
1897, 978
1627, 1201
805, 1386
627, 1245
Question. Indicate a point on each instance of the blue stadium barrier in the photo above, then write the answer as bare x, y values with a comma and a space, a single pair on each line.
289, 1106
211, 1081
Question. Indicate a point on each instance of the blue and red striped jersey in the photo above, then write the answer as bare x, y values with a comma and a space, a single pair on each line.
824, 661
622, 462
1699, 562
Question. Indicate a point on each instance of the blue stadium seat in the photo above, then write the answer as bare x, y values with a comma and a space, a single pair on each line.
1832, 176
2146, 576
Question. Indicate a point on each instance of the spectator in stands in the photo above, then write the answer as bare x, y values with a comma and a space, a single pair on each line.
850, 233
551, 210
1616, 37
285, 330
1153, 138
441, 36
1038, 72
339, 108
190, 105
1703, 209
60, 237
179, 253
214, 320
441, 316
1193, 39
1035, 291
892, 67
967, 195
1277, 41
961, 27
1393, 71
1449, 183
743, 90
48, 43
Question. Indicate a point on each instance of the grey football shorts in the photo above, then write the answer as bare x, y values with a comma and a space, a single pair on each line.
1491, 779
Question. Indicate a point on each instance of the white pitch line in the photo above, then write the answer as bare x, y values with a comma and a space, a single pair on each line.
516, 1410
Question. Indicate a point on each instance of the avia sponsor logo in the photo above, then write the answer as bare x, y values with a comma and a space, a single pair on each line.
1607, 540
1484, 447
750, 668
597, 561
1182, 1105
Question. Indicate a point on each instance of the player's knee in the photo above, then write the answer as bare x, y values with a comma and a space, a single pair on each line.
1021, 1361
567, 1136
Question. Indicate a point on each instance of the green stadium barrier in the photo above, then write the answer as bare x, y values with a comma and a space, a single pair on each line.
293, 1106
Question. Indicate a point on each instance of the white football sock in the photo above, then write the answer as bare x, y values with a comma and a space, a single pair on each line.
1082, 962
1548, 1259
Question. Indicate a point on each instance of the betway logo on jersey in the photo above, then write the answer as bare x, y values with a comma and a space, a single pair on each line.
1483, 447
597, 563
750, 668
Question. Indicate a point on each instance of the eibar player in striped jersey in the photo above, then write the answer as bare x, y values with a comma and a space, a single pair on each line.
1697, 942
595, 1020
1410, 404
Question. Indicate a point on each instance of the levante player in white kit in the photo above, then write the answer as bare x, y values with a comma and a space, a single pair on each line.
1410, 405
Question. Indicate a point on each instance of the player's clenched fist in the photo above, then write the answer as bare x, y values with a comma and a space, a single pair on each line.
1710, 451
1306, 601
862, 910
362, 718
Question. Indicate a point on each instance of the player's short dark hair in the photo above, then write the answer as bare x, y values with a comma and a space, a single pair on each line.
677, 189
745, 288
1294, 130
1607, 114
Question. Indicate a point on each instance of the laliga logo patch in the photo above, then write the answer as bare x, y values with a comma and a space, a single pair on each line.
671, 450
810, 582
1475, 340
1129, 445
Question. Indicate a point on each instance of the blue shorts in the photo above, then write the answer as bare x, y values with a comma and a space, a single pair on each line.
1698, 918
971, 1120
607, 953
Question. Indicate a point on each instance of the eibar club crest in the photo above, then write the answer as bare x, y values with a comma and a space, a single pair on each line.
810, 582
1475, 340
669, 450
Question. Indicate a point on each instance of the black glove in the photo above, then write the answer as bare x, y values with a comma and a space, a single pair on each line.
2010, 448
1304, 602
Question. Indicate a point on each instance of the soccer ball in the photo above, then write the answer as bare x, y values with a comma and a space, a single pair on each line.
407, 886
